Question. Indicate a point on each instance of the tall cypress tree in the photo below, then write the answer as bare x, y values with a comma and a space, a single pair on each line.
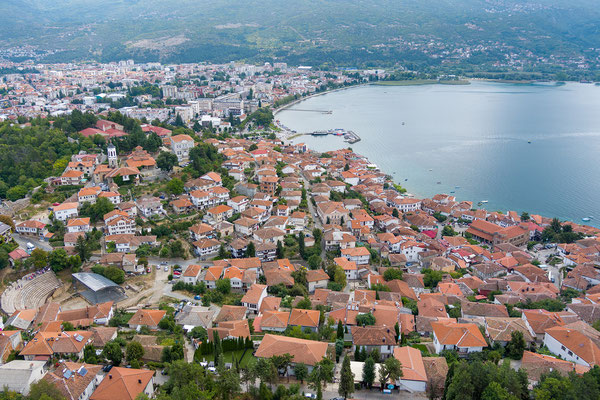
301, 248
340, 331
218, 349
368, 372
346, 386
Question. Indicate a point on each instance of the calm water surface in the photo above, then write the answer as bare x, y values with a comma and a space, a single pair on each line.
474, 137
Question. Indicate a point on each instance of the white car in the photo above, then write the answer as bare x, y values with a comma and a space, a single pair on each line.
166, 268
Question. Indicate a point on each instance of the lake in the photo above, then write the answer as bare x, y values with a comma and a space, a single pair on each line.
473, 139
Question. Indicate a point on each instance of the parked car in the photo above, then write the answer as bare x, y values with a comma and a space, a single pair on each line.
197, 297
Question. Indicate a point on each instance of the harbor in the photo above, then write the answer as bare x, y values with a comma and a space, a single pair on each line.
349, 136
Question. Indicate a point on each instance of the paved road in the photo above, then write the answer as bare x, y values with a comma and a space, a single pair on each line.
23, 240
179, 261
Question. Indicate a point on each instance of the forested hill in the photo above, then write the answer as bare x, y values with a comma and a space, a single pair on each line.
342, 32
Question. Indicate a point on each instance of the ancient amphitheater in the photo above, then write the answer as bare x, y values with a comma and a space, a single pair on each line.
31, 291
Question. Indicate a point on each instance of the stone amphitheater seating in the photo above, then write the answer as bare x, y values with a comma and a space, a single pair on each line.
32, 293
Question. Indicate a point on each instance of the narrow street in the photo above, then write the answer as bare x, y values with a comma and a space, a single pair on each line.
23, 240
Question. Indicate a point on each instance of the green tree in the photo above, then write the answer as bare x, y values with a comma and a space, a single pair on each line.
301, 247
448, 231
134, 351
58, 260
392, 273
115, 274
199, 332
346, 386
395, 213
390, 370
339, 276
282, 362
314, 261
301, 372
39, 258
229, 382
152, 143
280, 253
224, 285
83, 250
365, 319
340, 330
175, 186
89, 354
266, 371
368, 372
304, 304
166, 161
44, 390
516, 346
250, 250
97, 210
339, 349
322, 373
112, 352
432, 278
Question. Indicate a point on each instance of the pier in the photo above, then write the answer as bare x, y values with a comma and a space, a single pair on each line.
307, 110
349, 136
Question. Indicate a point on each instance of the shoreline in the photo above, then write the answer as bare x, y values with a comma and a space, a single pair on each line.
409, 193
282, 108
420, 82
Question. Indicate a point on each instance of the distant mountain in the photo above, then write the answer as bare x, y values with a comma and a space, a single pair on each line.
464, 33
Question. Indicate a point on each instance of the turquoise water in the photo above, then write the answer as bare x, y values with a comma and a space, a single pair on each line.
475, 137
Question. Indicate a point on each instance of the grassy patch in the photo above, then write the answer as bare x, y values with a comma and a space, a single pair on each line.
242, 356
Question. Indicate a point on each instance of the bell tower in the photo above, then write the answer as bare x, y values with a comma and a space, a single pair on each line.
112, 156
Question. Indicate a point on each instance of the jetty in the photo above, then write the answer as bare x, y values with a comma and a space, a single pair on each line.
308, 110
351, 137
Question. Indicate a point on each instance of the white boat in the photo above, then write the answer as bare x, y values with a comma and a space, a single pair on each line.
484, 201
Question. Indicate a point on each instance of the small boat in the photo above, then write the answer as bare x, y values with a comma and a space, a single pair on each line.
456, 187
439, 183
405, 179
586, 219
529, 141
452, 191
403, 123
483, 201
430, 169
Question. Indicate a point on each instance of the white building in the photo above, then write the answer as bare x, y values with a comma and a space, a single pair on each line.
572, 345
181, 145
19, 375
65, 211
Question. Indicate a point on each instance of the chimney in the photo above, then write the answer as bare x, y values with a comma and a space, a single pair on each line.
109, 376
140, 381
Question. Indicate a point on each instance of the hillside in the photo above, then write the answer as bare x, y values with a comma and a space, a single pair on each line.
341, 32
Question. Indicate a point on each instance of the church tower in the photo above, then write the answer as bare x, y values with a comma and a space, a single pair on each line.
112, 155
